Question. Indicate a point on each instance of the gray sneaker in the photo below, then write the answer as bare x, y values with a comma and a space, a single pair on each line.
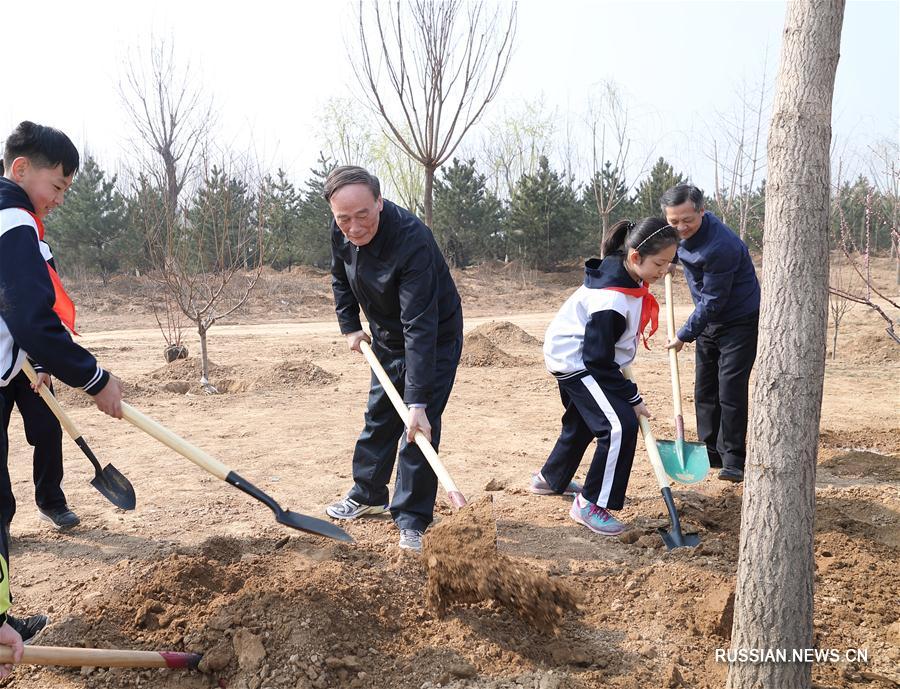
411, 539
350, 509
62, 518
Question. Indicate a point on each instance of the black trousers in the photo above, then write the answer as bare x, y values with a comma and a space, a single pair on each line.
725, 356
592, 413
44, 434
415, 488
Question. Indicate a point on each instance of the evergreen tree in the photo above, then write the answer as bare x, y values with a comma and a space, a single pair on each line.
220, 216
88, 229
661, 178
280, 205
466, 216
614, 205
314, 219
545, 219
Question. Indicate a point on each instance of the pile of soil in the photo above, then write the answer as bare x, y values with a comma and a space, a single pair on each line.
881, 439
504, 332
864, 464
183, 376
464, 567
479, 351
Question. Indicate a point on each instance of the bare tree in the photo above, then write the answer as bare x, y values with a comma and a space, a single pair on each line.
737, 155
886, 173
171, 114
443, 62
608, 121
212, 255
774, 594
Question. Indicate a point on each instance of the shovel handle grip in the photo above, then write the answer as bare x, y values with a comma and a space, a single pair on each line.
174, 442
51, 401
650, 442
100, 657
456, 497
673, 355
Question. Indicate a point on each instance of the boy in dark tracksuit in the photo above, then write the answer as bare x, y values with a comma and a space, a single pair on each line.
386, 261
39, 165
594, 335
725, 323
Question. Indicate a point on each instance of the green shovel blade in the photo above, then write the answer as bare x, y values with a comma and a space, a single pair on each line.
684, 462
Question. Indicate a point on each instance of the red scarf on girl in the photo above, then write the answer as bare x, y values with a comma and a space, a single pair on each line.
63, 305
649, 308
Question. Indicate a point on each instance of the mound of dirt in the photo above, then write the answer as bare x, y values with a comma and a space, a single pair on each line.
882, 439
504, 332
479, 351
464, 567
864, 464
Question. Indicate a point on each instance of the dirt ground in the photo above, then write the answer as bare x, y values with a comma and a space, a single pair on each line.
199, 566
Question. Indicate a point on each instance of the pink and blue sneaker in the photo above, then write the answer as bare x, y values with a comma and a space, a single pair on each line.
597, 519
540, 487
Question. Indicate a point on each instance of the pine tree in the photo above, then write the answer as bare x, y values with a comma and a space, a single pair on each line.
220, 215
314, 219
466, 216
545, 219
281, 208
661, 178
88, 229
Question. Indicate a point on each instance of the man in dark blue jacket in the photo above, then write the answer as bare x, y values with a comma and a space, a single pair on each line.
385, 261
724, 324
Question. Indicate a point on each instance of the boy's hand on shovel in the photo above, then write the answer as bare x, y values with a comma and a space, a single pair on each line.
109, 399
10, 637
353, 340
641, 410
418, 421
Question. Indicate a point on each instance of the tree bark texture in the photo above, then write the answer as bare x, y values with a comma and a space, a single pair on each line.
774, 592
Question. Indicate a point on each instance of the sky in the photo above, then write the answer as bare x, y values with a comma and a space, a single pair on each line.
272, 66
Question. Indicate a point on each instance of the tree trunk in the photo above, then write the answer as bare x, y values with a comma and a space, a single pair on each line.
774, 592
429, 195
204, 357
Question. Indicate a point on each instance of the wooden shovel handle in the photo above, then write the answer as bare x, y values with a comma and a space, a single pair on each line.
51, 401
650, 442
456, 497
180, 445
99, 657
673, 355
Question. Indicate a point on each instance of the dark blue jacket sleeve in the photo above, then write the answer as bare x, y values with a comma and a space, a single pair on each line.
601, 333
27, 308
418, 292
345, 305
714, 288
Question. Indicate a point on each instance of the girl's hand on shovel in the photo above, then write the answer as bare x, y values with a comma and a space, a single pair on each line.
10, 637
42, 379
109, 399
418, 421
641, 410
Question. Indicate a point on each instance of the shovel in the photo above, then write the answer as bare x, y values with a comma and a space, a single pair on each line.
220, 471
108, 480
673, 538
453, 493
102, 657
684, 462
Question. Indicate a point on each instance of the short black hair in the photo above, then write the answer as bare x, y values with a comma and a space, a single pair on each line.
679, 194
350, 174
43, 146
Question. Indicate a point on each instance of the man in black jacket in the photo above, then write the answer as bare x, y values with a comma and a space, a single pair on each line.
385, 260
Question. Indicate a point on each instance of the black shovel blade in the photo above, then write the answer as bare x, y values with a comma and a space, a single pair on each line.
312, 525
115, 487
679, 540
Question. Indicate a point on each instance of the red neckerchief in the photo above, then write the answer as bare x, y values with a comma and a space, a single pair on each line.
649, 308
63, 305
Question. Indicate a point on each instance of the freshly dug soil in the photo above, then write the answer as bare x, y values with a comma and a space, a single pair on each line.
505, 333
463, 566
479, 351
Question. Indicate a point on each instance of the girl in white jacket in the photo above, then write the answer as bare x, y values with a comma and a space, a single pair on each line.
594, 335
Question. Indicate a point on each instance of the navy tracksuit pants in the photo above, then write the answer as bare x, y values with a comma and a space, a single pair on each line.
724, 358
592, 413
44, 434
416, 485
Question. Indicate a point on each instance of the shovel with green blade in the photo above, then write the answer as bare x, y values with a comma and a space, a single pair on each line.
684, 462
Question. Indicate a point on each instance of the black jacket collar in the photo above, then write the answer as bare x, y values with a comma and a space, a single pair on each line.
610, 272
13, 196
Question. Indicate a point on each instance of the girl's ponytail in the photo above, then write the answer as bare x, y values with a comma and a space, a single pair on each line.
615, 238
